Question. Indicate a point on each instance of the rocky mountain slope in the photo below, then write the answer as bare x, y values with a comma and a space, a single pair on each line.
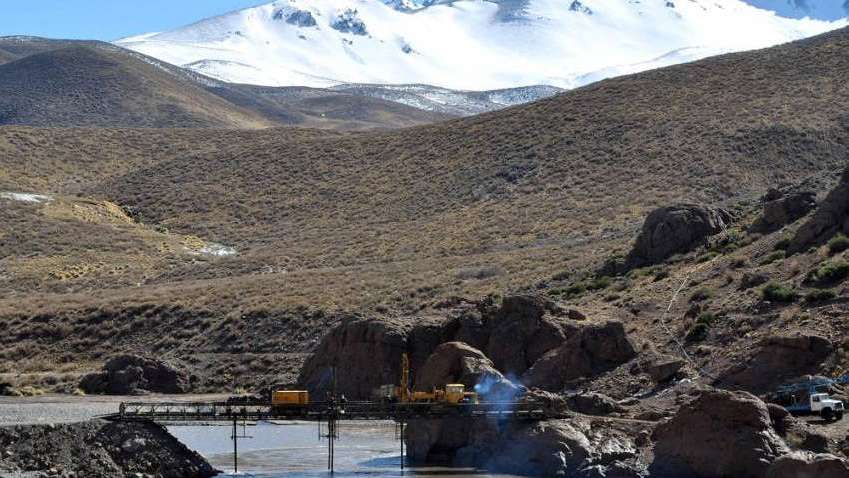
322, 43
254, 241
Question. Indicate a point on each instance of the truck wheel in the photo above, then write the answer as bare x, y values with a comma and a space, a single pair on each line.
827, 414
838, 416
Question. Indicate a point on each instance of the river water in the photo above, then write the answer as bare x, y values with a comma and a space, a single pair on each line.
294, 450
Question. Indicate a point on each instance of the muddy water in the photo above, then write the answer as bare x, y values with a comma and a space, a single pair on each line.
294, 450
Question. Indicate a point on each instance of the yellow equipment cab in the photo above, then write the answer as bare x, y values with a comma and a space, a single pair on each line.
290, 398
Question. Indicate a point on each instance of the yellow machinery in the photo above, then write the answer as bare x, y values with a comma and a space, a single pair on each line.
290, 398
453, 394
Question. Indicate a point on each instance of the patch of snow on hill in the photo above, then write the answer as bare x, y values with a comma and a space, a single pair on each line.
26, 197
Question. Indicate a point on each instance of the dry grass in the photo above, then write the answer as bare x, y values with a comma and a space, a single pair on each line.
397, 220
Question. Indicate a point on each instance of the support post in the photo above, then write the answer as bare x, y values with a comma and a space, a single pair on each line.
402, 444
235, 446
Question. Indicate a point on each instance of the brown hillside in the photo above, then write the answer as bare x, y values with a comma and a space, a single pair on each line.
403, 219
104, 86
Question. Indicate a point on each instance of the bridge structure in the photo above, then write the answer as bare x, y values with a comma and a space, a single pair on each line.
327, 414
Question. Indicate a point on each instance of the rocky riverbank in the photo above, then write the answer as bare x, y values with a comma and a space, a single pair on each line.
97, 449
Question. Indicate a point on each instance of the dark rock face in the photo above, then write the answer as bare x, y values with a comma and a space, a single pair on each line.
805, 465
300, 18
777, 359
522, 331
718, 434
99, 449
588, 351
366, 353
784, 208
349, 22
831, 217
675, 229
133, 375
593, 404
456, 362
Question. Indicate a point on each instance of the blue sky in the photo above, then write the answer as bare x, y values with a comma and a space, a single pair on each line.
113, 19
106, 19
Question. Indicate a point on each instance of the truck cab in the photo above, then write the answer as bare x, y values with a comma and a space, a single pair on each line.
828, 408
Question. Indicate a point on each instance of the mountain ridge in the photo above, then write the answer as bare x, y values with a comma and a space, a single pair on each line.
323, 43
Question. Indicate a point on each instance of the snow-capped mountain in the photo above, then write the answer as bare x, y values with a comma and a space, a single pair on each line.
465, 44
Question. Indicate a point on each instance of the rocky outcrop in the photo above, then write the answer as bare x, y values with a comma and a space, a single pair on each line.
456, 362
675, 229
718, 434
777, 359
98, 449
588, 351
592, 403
795, 431
831, 217
574, 448
661, 368
524, 329
781, 208
365, 354
808, 465
133, 375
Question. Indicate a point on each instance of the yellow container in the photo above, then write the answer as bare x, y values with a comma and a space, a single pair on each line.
290, 397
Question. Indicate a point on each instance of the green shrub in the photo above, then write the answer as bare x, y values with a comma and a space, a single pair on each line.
829, 273
838, 243
707, 318
698, 333
782, 245
774, 256
819, 295
707, 257
701, 295
775, 292
661, 274
599, 283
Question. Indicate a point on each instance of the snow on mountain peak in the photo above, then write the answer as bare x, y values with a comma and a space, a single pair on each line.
465, 44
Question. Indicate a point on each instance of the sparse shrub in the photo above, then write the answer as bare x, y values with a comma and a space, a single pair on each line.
738, 263
782, 245
838, 244
707, 318
661, 274
707, 257
774, 256
698, 333
599, 283
775, 292
829, 273
819, 295
701, 295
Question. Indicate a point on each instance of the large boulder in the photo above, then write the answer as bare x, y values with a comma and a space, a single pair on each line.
675, 229
777, 359
781, 208
831, 217
588, 351
718, 434
133, 375
364, 353
456, 362
808, 465
524, 329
